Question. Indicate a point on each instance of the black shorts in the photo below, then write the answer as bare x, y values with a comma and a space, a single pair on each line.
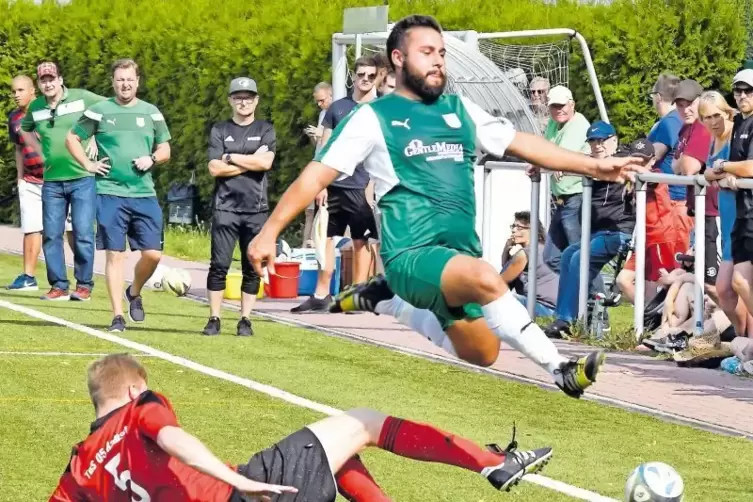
711, 250
300, 461
742, 247
348, 207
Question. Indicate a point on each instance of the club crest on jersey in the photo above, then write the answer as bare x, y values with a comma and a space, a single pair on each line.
452, 120
436, 151
140, 121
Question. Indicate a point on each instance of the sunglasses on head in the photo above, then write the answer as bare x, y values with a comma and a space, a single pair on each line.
363, 74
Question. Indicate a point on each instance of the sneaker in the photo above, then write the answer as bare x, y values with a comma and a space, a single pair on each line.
135, 306
671, 344
81, 294
118, 324
212, 328
362, 297
516, 465
56, 295
576, 375
558, 329
23, 282
244, 327
312, 304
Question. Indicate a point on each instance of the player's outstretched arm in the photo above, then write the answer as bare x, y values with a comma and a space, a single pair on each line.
192, 452
314, 178
541, 152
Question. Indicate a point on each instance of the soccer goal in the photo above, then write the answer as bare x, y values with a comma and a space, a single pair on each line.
498, 71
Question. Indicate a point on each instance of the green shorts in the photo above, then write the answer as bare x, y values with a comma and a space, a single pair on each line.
416, 275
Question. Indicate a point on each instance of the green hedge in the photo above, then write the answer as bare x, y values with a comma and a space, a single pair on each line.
189, 51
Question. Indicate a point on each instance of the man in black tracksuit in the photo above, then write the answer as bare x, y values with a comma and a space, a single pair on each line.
241, 151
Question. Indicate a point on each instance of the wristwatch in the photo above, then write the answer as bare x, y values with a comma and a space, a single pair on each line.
227, 159
154, 158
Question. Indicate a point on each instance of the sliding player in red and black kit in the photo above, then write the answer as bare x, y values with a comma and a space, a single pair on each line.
137, 452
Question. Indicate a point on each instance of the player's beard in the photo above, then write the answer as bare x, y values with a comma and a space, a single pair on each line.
416, 82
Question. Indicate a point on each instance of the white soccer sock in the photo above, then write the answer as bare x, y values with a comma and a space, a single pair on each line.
420, 320
507, 318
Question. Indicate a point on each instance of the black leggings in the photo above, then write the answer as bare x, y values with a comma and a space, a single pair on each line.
227, 229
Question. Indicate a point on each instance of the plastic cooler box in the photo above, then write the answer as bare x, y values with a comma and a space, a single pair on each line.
310, 271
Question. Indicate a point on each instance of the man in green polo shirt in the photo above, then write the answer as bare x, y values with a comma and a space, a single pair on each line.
131, 138
67, 186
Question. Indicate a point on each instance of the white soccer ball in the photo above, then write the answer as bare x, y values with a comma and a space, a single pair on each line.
155, 281
654, 482
176, 280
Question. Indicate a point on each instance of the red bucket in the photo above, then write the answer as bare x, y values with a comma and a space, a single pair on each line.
284, 282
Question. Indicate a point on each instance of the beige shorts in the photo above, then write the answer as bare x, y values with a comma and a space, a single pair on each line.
30, 201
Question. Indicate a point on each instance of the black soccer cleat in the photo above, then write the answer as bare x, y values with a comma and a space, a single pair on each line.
244, 327
516, 465
362, 297
213, 327
575, 376
135, 306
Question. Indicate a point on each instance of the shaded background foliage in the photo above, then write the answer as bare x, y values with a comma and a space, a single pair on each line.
189, 51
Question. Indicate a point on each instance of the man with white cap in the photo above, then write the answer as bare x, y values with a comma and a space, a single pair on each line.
567, 129
740, 165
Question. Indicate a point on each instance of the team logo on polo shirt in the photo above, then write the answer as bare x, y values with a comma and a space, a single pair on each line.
140, 121
452, 120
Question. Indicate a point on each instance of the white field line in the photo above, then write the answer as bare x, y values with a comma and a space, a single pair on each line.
60, 354
552, 484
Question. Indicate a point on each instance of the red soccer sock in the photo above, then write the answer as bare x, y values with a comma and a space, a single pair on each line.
356, 484
429, 444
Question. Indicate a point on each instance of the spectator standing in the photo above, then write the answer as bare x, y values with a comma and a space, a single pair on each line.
740, 165
515, 267
567, 129
323, 99
388, 84
67, 186
241, 151
346, 198
30, 170
667, 223
690, 159
132, 137
539, 89
718, 117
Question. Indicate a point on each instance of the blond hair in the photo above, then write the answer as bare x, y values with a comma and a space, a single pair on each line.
109, 376
124, 64
714, 98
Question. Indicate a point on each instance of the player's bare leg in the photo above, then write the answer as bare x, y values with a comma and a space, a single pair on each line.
504, 319
361, 260
114, 280
344, 436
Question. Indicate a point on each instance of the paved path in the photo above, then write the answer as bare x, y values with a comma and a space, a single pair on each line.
708, 398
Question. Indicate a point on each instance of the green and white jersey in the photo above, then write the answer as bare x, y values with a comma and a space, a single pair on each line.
420, 157
52, 126
124, 133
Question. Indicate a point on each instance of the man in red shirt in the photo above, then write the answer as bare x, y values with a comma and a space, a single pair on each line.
690, 159
137, 452
30, 167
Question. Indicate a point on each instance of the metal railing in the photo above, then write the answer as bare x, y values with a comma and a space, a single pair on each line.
533, 256
699, 185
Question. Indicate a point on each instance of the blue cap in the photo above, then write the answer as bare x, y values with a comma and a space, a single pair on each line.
600, 130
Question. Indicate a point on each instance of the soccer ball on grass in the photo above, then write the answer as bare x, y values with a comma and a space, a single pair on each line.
654, 482
176, 280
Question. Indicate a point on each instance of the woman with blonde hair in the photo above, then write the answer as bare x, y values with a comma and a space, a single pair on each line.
717, 115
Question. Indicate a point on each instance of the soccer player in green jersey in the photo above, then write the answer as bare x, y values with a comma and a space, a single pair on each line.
419, 145
132, 137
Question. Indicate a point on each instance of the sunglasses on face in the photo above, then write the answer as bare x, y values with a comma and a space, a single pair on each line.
739, 91
538, 91
369, 76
